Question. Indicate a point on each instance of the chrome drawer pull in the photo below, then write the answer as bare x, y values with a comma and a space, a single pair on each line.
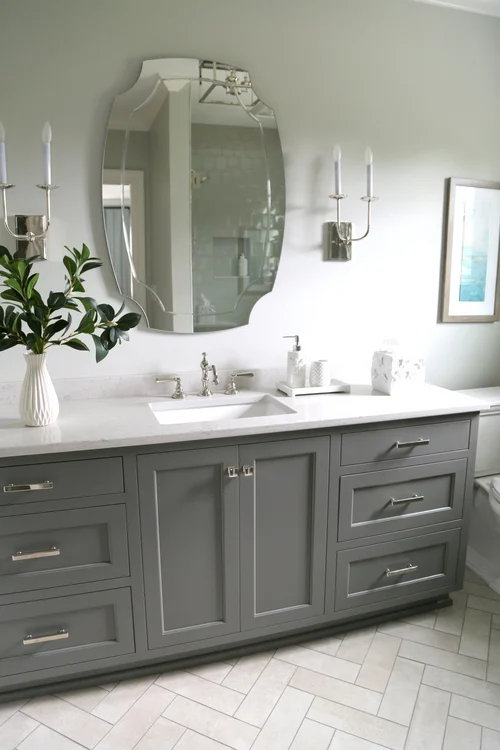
402, 500
248, 471
45, 638
29, 487
402, 571
413, 443
52, 552
233, 472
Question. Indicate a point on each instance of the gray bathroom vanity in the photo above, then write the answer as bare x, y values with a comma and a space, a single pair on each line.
121, 559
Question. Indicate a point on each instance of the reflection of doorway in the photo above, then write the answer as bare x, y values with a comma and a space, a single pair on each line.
134, 215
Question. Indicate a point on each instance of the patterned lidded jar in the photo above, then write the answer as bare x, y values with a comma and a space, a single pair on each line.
394, 371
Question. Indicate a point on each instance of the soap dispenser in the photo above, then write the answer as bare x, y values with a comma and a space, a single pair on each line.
296, 365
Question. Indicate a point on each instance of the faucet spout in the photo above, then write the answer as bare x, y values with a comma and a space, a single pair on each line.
215, 375
205, 368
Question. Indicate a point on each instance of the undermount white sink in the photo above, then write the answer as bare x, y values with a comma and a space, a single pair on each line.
218, 409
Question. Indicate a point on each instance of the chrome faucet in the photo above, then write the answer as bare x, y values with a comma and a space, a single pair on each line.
205, 368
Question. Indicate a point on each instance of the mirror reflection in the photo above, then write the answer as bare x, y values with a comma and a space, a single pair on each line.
193, 195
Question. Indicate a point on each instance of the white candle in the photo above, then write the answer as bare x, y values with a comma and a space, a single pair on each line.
369, 173
46, 139
337, 158
3, 160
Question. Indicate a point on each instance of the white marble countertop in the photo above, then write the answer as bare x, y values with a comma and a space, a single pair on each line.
113, 423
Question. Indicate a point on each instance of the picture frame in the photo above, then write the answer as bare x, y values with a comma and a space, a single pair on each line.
471, 286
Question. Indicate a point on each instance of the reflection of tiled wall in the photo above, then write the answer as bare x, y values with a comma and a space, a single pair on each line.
229, 214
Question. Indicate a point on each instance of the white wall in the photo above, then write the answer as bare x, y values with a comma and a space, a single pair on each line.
420, 84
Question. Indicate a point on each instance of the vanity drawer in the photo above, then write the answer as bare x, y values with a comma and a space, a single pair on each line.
67, 630
404, 442
382, 572
381, 502
62, 480
42, 550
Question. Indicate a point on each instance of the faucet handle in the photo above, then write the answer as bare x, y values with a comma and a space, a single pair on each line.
179, 391
231, 389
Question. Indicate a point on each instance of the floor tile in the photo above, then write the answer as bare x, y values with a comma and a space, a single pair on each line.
118, 701
163, 735
491, 740
336, 690
9, 709
44, 738
356, 644
428, 724
328, 646
426, 620
246, 671
438, 658
351, 721
87, 698
214, 672
470, 687
266, 692
417, 634
15, 730
317, 662
211, 723
312, 736
493, 674
203, 691
480, 589
461, 735
401, 693
343, 741
138, 720
475, 638
486, 605
68, 720
194, 741
284, 722
377, 667
451, 619
109, 686
475, 712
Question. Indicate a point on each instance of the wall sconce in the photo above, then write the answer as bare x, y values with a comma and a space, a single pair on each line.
339, 234
31, 231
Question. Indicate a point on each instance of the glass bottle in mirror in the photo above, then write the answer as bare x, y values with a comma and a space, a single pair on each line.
193, 195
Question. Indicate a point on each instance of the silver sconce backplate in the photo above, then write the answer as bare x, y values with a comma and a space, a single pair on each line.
31, 250
336, 248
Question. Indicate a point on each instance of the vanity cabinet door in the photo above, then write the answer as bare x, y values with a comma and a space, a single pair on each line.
283, 508
190, 531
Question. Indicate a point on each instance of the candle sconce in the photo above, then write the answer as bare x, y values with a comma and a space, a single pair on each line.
31, 230
339, 233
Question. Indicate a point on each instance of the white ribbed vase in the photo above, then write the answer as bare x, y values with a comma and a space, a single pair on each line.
38, 403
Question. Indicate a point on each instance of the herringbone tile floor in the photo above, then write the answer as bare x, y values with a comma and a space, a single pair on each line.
429, 683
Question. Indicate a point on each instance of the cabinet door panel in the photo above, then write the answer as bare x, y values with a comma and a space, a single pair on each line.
283, 531
189, 514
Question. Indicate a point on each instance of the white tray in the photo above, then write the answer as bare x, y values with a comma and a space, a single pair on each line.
336, 386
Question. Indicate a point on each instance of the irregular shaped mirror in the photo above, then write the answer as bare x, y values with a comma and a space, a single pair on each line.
193, 195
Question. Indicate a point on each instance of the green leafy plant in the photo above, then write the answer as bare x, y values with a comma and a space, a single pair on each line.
37, 325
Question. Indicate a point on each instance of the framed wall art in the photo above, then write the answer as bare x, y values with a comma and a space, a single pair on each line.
471, 287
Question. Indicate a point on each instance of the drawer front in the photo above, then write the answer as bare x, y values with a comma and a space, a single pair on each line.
404, 442
61, 480
382, 572
69, 630
42, 550
381, 502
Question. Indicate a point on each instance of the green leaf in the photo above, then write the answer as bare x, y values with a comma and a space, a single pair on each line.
88, 303
70, 265
30, 285
85, 255
100, 351
87, 323
122, 334
34, 324
56, 300
128, 321
91, 265
11, 296
113, 335
71, 305
32, 341
78, 286
14, 284
7, 343
55, 328
76, 344
106, 312
4, 253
